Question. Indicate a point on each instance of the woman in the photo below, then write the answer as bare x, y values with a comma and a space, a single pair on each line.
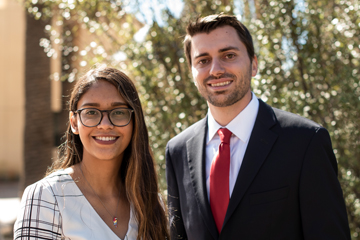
104, 185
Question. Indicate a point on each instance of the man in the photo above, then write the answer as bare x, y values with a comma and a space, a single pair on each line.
247, 171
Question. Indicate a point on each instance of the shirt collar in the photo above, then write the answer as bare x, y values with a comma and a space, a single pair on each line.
241, 126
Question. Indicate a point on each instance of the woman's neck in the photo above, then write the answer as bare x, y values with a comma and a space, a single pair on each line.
102, 175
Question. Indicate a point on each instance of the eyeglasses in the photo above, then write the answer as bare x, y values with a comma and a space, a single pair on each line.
91, 117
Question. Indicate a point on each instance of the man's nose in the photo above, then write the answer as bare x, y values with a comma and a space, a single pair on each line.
217, 68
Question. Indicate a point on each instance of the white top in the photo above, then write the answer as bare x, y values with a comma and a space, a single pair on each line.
55, 208
241, 127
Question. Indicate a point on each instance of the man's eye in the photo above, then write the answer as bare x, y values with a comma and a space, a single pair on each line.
203, 61
230, 56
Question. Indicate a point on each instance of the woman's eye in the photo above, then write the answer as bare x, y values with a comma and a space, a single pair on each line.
91, 112
119, 112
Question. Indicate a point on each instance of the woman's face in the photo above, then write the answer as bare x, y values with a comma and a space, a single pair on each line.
104, 141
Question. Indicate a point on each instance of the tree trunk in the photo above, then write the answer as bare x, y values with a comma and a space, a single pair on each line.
38, 135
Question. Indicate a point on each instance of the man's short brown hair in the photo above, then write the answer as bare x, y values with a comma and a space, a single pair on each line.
210, 23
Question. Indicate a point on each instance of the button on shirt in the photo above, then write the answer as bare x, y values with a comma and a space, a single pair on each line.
241, 127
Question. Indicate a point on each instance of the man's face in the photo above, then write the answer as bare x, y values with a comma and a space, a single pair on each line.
221, 67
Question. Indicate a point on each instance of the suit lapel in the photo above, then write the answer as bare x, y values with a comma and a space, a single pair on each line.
196, 161
260, 144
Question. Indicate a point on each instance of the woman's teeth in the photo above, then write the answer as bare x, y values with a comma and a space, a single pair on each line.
106, 138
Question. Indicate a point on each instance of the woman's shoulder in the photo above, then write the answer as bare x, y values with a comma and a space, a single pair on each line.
42, 196
39, 207
58, 177
49, 184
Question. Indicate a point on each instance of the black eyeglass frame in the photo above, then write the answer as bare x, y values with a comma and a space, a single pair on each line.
102, 115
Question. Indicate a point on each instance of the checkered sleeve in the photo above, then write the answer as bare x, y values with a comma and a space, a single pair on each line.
39, 216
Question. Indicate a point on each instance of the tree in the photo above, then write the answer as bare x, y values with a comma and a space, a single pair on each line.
38, 134
308, 55
172, 102
309, 61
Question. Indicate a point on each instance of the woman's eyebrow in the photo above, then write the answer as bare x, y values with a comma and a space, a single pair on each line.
119, 104
90, 105
114, 104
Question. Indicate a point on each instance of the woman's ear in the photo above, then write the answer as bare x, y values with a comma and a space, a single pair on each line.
73, 123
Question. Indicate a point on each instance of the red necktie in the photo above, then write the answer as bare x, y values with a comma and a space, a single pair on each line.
219, 179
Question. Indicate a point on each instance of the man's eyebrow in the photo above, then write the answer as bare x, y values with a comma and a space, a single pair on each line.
220, 51
201, 55
229, 48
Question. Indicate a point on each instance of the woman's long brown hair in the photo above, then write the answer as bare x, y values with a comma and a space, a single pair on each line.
137, 169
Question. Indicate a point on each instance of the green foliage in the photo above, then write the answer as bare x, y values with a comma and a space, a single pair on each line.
172, 102
309, 64
308, 55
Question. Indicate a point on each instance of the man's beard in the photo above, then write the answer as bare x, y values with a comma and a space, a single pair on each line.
241, 89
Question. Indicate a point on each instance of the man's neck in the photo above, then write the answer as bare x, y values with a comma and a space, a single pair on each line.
224, 115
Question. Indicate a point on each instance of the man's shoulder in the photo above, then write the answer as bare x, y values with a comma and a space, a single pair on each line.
196, 128
289, 119
281, 120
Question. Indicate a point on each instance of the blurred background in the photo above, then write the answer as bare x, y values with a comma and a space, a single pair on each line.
309, 63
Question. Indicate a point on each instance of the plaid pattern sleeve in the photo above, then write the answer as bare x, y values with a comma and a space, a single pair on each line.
39, 216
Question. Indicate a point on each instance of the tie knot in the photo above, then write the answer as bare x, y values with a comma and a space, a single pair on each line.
225, 135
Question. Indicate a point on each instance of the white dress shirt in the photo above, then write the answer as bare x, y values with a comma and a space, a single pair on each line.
55, 208
241, 127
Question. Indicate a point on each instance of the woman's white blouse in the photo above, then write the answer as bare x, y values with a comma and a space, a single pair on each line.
55, 208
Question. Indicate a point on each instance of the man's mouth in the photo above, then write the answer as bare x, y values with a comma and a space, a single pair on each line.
220, 84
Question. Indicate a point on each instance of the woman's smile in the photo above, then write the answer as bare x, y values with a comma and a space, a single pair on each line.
107, 140
103, 141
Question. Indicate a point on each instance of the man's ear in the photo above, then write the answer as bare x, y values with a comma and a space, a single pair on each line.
193, 77
73, 123
254, 66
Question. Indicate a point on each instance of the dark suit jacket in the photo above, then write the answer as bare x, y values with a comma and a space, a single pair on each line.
287, 187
